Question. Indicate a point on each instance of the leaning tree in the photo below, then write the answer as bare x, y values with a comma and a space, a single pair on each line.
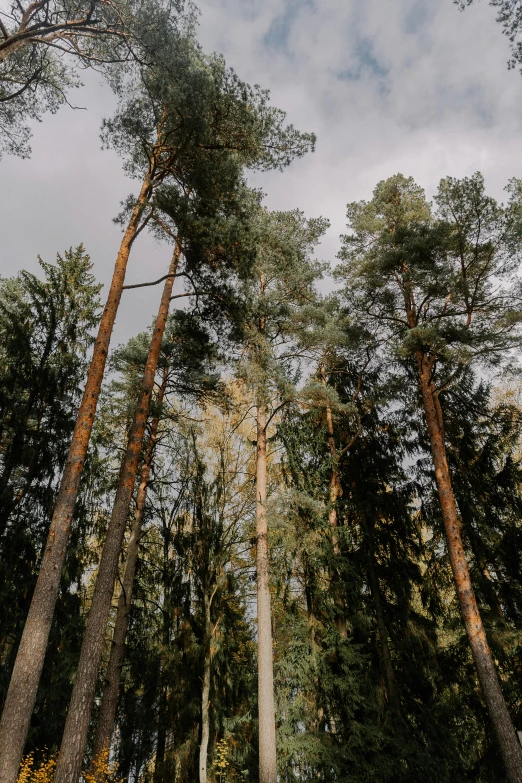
439, 286
187, 120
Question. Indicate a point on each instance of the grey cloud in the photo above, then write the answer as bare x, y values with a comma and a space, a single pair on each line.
278, 33
409, 85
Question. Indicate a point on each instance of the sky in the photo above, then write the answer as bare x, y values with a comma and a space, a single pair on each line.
414, 86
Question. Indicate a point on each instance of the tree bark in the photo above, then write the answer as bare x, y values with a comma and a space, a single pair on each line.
382, 631
70, 758
510, 748
161, 741
205, 695
334, 491
267, 740
23, 686
109, 704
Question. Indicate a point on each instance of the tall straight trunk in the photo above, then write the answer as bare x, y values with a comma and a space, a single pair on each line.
70, 758
109, 704
265, 664
319, 723
205, 695
382, 632
509, 745
25, 677
161, 740
335, 480
334, 491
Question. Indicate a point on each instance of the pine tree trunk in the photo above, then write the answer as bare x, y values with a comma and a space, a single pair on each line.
334, 495
318, 725
109, 704
74, 738
509, 745
267, 740
391, 686
161, 741
205, 696
23, 686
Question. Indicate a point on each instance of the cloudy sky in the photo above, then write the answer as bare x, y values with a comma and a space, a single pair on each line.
387, 85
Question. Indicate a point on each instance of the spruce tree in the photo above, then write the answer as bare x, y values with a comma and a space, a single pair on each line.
45, 327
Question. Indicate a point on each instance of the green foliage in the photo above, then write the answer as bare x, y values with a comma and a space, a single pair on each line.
437, 281
45, 336
38, 69
32, 82
280, 291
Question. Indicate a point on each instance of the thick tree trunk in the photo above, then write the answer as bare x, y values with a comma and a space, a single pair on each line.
72, 749
205, 696
23, 687
509, 745
267, 740
389, 674
109, 704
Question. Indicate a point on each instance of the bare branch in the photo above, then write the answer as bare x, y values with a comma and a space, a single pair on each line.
144, 285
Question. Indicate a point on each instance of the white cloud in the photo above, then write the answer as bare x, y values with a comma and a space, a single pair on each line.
387, 85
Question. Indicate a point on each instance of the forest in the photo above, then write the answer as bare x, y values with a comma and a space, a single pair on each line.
276, 535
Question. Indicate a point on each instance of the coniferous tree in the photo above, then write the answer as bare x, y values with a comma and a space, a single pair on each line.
283, 283
430, 281
45, 328
76, 728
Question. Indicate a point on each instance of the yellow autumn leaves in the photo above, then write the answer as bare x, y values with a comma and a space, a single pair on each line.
101, 770
221, 761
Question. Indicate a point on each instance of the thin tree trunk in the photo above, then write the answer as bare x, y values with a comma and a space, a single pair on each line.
23, 686
160, 764
161, 742
334, 495
267, 740
318, 724
109, 704
205, 696
68, 767
382, 631
509, 745
335, 482
488, 584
